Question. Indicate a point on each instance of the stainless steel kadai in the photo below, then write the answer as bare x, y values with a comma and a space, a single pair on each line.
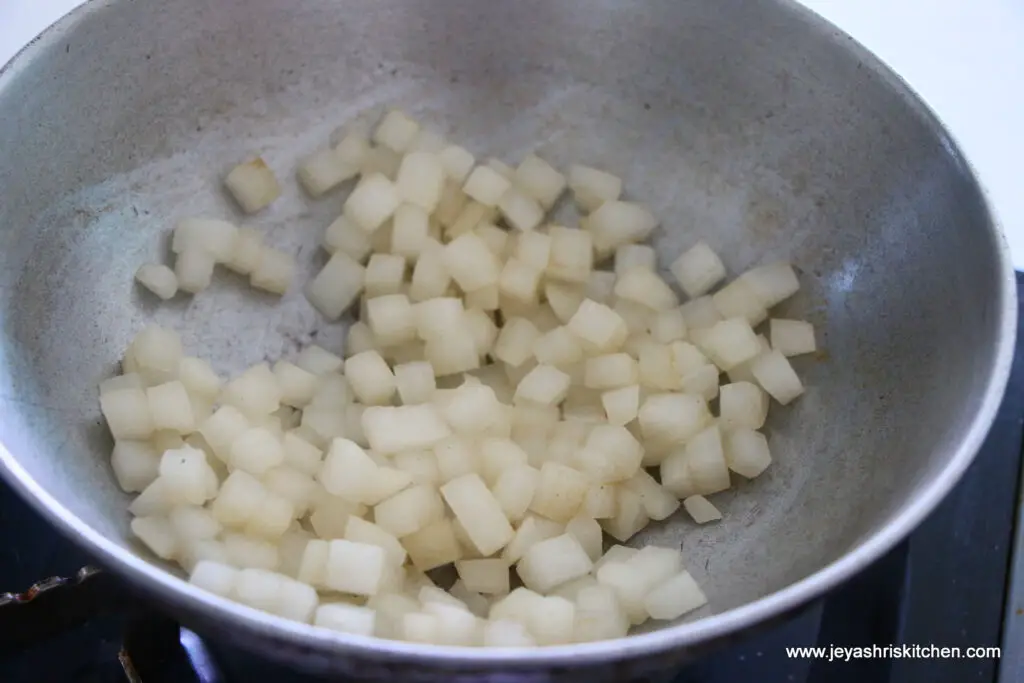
752, 123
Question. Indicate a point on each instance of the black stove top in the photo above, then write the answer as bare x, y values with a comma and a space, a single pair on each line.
947, 585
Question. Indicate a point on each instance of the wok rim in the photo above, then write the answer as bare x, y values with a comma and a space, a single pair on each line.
303, 638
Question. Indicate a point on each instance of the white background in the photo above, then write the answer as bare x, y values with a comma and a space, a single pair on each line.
960, 55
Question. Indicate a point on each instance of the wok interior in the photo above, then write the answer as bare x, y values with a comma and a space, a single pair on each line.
748, 124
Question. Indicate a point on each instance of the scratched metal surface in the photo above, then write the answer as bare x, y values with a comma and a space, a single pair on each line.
749, 124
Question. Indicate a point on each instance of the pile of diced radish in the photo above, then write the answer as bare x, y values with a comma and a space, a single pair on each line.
503, 404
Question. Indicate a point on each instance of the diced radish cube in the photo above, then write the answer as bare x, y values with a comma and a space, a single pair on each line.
592, 187
742, 404
729, 343
610, 371
521, 211
472, 215
253, 185
641, 285
455, 354
336, 286
657, 501
667, 419
600, 502
552, 562
410, 231
384, 274
396, 131
409, 511
544, 385
674, 598
214, 236
435, 545
415, 382
701, 510
630, 517
551, 621
479, 512
792, 337
540, 180
598, 615
352, 149
346, 618
345, 236
489, 576
746, 452
157, 535
776, 376
698, 270
611, 454
360, 531
158, 279
193, 269
700, 313
127, 413
370, 378
135, 464
246, 251
486, 186
348, 472
215, 577
772, 283
738, 300
615, 223
356, 568
572, 256
274, 272
600, 328
560, 492
519, 281
457, 162
588, 532
381, 161
323, 171
668, 326
391, 319
256, 450
254, 392
471, 264
421, 180
372, 202
630, 256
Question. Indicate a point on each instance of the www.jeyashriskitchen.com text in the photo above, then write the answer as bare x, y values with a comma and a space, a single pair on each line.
836, 653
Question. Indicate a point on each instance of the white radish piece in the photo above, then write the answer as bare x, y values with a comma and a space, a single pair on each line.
701, 509
322, 171
435, 545
776, 376
698, 270
396, 131
792, 337
746, 452
592, 187
552, 562
336, 286
486, 186
479, 512
409, 511
346, 618
372, 202
159, 279
674, 598
252, 184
